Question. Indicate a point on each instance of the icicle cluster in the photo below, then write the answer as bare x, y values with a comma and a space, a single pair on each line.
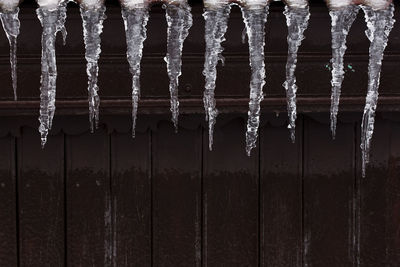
179, 21
11, 24
342, 19
255, 20
52, 21
216, 24
92, 22
135, 21
297, 22
379, 24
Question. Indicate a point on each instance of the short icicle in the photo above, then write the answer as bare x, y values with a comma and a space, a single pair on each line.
342, 19
255, 20
297, 22
11, 24
52, 21
179, 21
92, 22
379, 25
216, 24
135, 21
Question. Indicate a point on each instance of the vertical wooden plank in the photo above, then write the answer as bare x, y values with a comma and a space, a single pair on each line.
88, 200
231, 199
8, 205
380, 199
41, 199
176, 196
131, 190
281, 197
328, 195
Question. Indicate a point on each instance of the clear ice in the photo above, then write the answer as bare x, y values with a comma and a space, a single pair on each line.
52, 21
216, 24
379, 25
11, 24
297, 22
92, 22
255, 20
179, 21
342, 19
135, 21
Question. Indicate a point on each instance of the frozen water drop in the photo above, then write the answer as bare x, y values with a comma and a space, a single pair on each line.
52, 21
216, 24
179, 21
11, 24
342, 19
92, 22
297, 22
379, 25
255, 20
135, 21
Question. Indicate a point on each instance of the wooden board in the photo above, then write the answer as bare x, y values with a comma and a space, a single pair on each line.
89, 213
41, 200
176, 199
131, 191
8, 203
230, 199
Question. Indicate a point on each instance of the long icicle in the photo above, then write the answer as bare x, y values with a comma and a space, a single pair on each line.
92, 22
342, 19
297, 22
379, 24
179, 21
11, 25
135, 21
255, 20
216, 24
52, 22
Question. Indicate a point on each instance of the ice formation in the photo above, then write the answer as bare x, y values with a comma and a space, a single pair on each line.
9, 20
255, 17
135, 21
52, 16
297, 22
93, 15
342, 19
179, 21
379, 25
216, 23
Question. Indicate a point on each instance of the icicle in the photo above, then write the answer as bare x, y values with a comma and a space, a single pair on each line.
92, 22
342, 19
216, 24
297, 22
255, 20
11, 24
379, 24
179, 21
52, 21
135, 21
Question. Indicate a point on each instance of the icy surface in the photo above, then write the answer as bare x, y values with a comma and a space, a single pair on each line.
379, 25
179, 21
8, 5
255, 20
342, 19
52, 22
135, 21
297, 22
11, 24
216, 24
92, 21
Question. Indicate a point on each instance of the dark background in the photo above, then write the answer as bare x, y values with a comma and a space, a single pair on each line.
162, 199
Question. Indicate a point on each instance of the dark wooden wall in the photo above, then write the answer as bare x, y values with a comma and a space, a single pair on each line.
163, 199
